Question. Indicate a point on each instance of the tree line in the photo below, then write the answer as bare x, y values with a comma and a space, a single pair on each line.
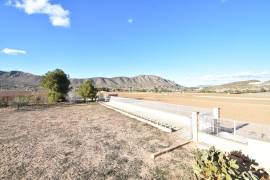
57, 84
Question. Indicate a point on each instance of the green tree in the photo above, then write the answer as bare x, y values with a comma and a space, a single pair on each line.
57, 84
87, 90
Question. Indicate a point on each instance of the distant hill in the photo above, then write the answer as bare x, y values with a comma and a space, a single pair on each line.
239, 84
138, 82
241, 87
17, 80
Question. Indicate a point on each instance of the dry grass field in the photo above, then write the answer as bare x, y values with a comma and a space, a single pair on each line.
86, 142
244, 107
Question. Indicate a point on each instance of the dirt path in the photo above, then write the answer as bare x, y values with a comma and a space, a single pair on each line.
85, 142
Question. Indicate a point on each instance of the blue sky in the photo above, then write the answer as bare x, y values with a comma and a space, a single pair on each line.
192, 42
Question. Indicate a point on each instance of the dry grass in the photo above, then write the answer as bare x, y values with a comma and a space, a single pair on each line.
247, 107
8, 97
86, 142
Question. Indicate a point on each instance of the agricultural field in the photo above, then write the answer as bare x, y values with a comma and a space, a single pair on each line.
86, 142
243, 107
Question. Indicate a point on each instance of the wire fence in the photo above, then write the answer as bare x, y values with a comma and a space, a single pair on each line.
235, 130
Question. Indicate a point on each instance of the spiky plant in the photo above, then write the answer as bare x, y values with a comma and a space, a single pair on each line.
214, 164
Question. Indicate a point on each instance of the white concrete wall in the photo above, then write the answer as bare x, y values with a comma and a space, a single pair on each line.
174, 120
260, 151
222, 143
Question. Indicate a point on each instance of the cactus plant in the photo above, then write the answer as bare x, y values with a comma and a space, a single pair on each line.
214, 164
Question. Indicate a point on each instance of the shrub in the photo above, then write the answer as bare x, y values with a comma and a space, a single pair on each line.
214, 164
21, 101
3, 103
38, 99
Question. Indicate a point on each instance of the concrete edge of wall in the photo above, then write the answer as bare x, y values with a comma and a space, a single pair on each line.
168, 130
181, 119
221, 143
255, 149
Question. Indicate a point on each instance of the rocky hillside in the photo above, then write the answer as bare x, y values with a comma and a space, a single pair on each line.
17, 80
138, 82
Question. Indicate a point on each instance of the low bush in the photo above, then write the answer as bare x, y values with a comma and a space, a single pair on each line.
21, 101
3, 103
214, 164
38, 99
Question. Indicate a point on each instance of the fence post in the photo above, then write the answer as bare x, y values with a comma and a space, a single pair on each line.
195, 126
234, 128
216, 115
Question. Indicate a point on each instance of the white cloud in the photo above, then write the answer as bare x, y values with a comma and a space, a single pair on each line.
13, 52
130, 21
57, 14
225, 78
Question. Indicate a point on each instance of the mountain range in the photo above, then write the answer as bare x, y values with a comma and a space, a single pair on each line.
18, 80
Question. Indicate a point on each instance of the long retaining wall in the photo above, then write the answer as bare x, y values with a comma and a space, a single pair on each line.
161, 119
189, 120
162, 116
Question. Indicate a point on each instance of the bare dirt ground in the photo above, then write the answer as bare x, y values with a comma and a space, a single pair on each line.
86, 142
246, 107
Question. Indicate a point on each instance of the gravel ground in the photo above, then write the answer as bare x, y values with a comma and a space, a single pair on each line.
86, 142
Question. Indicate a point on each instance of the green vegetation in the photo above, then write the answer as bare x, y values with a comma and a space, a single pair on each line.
22, 98
214, 164
104, 89
139, 90
21, 101
87, 90
57, 84
38, 99
160, 90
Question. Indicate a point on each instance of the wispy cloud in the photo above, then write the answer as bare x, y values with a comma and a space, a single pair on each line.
14, 52
130, 21
57, 14
226, 78
236, 76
